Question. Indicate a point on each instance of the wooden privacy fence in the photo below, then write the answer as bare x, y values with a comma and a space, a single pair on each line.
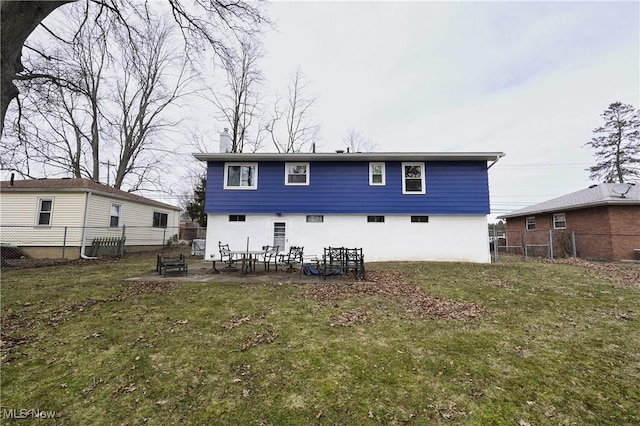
106, 246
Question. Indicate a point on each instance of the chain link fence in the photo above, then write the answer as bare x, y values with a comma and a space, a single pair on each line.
73, 242
555, 244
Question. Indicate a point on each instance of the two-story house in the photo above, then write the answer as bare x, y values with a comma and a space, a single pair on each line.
396, 206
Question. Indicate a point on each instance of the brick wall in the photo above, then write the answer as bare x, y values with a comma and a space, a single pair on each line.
625, 230
602, 233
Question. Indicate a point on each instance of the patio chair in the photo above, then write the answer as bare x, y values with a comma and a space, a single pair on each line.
270, 255
226, 257
354, 261
294, 257
333, 261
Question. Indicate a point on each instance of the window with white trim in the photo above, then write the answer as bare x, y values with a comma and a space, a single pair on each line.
530, 223
237, 218
315, 218
559, 221
375, 219
413, 178
160, 219
45, 210
296, 174
241, 176
376, 174
114, 216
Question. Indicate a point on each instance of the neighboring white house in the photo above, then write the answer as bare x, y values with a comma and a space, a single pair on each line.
396, 206
42, 215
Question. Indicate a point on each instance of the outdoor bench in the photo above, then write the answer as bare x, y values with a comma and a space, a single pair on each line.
163, 265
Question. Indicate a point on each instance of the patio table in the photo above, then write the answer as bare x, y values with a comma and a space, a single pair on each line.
248, 259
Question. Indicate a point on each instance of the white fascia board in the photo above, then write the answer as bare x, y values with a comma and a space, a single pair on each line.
356, 156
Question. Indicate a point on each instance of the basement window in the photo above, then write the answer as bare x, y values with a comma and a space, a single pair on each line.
419, 219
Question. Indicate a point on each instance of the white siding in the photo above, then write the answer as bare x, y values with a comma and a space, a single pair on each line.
18, 213
137, 217
21, 209
444, 238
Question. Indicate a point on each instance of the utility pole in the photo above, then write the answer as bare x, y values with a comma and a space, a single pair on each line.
108, 164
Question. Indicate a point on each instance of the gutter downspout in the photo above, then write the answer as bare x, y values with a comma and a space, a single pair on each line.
84, 228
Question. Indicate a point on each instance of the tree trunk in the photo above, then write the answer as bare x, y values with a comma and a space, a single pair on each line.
17, 20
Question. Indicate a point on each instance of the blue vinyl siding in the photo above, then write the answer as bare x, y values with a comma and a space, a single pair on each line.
452, 187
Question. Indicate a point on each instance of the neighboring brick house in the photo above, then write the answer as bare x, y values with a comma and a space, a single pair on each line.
604, 220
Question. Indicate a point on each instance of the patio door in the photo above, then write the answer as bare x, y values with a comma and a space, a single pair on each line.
280, 235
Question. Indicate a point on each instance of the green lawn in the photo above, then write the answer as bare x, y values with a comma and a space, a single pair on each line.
429, 343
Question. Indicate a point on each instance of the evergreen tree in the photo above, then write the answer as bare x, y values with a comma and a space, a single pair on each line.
617, 145
195, 208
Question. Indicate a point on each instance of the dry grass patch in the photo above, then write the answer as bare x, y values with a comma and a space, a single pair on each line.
622, 274
389, 283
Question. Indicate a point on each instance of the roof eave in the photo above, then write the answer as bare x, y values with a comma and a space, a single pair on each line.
357, 156
84, 189
574, 207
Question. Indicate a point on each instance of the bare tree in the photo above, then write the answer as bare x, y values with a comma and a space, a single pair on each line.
356, 142
113, 101
63, 102
291, 127
203, 23
238, 103
142, 95
17, 21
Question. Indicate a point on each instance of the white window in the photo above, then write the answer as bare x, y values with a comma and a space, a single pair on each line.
241, 176
531, 223
45, 209
376, 174
296, 174
114, 217
559, 221
413, 178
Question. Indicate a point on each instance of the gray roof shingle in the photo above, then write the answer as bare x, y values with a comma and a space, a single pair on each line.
596, 195
77, 185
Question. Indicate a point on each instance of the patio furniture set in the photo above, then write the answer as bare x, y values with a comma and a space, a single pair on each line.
334, 261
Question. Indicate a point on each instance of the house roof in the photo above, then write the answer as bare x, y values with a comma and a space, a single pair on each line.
354, 156
77, 185
595, 195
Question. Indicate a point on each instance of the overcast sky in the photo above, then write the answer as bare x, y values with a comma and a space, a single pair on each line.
530, 79
527, 78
